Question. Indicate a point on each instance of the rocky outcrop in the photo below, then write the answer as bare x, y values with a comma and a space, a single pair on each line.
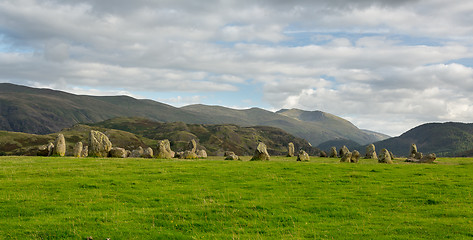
117, 152
59, 146
164, 149
333, 152
77, 151
261, 153
290, 149
45, 150
371, 152
303, 156
384, 156
99, 144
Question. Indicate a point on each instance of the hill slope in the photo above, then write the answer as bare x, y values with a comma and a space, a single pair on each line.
443, 139
215, 138
44, 111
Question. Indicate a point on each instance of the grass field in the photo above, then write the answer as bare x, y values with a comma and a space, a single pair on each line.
69, 198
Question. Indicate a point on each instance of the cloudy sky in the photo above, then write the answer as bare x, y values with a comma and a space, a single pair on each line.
385, 65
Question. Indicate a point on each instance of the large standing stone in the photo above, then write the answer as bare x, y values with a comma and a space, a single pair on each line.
99, 145
346, 157
137, 153
46, 150
303, 156
413, 151
371, 152
118, 152
343, 150
384, 156
77, 151
290, 149
164, 149
333, 152
85, 151
192, 146
355, 156
60, 146
261, 153
201, 153
147, 153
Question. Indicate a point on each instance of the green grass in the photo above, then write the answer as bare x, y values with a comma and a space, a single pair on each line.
69, 198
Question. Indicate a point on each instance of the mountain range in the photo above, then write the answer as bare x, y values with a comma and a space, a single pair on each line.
44, 111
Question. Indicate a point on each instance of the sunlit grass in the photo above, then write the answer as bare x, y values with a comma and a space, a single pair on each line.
69, 198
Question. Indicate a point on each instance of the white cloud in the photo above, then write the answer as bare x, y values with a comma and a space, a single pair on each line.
380, 63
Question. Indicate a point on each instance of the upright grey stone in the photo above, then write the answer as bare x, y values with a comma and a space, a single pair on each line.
413, 151
343, 150
261, 153
201, 153
333, 152
164, 149
118, 152
384, 156
303, 156
192, 146
137, 153
77, 151
60, 146
85, 151
147, 153
99, 144
371, 152
346, 157
290, 149
355, 156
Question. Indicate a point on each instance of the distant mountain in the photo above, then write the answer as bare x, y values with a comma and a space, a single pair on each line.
443, 139
215, 138
44, 111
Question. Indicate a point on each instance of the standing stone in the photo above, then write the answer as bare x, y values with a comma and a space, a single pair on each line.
333, 152
77, 151
137, 153
323, 154
261, 153
346, 157
343, 150
164, 149
147, 153
85, 151
46, 150
201, 153
232, 156
371, 152
413, 151
99, 145
303, 156
192, 146
384, 156
60, 146
355, 156
290, 149
118, 152
188, 154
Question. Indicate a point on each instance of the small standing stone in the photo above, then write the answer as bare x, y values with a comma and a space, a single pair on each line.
303, 156
147, 153
118, 152
384, 156
371, 152
85, 151
333, 152
346, 157
290, 149
137, 153
60, 146
77, 152
355, 156
201, 153
323, 154
413, 151
343, 150
261, 153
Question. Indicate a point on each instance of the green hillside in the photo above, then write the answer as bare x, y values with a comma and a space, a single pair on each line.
45, 111
215, 138
443, 139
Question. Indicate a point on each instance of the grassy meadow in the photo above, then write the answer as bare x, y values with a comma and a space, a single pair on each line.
73, 198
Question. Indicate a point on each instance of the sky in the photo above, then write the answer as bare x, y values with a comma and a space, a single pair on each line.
387, 65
